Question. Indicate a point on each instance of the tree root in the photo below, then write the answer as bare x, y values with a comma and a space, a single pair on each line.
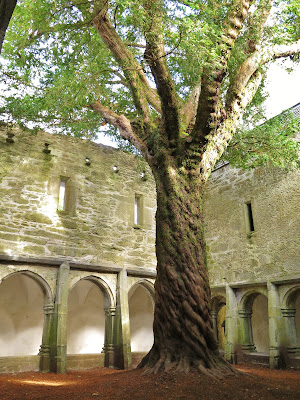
217, 368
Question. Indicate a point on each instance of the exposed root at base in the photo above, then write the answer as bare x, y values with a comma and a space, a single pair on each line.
218, 368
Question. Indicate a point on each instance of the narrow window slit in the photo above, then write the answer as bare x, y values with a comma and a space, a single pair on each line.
137, 210
250, 217
62, 203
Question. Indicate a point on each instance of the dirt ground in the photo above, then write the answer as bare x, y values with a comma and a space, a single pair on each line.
108, 384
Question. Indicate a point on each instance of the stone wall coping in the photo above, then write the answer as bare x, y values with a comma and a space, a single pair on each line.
148, 273
56, 262
276, 281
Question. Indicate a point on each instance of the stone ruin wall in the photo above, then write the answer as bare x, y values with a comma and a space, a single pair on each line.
98, 225
272, 250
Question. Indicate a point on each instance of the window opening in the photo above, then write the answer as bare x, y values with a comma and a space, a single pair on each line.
137, 210
62, 195
250, 217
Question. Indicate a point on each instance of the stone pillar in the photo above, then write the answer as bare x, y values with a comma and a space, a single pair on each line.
290, 340
230, 325
275, 331
58, 349
214, 315
108, 347
122, 325
246, 337
44, 352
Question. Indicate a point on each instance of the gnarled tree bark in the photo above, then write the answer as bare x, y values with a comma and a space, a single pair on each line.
6, 10
183, 330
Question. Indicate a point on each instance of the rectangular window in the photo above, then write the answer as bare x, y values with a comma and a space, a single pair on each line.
62, 197
137, 209
250, 221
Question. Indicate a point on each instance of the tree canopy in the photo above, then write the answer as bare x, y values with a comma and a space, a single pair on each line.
141, 58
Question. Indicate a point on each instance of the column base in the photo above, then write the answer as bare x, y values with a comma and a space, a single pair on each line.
249, 348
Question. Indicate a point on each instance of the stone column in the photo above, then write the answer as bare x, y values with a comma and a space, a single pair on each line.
214, 315
290, 340
108, 347
58, 350
246, 337
275, 331
122, 325
44, 352
230, 325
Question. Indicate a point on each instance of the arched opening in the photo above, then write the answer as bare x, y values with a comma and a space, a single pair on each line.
260, 324
297, 307
141, 310
219, 319
291, 317
254, 323
86, 319
21, 315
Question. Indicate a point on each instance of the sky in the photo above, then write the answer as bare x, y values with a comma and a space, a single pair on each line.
283, 87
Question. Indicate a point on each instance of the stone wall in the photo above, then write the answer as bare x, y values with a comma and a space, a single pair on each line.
91, 234
97, 226
272, 249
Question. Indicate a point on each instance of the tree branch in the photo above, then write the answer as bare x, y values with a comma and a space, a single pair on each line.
6, 10
189, 109
217, 143
213, 74
155, 56
257, 22
123, 125
251, 65
139, 86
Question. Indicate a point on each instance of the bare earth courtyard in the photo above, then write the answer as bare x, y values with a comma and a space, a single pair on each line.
109, 384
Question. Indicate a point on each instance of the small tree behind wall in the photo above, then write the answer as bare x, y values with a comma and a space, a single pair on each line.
173, 78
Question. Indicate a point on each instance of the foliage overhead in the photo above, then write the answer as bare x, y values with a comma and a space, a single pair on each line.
62, 66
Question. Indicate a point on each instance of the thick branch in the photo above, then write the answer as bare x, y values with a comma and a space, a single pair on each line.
139, 86
6, 9
257, 22
189, 109
155, 56
217, 143
213, 75
122, 124
251, 65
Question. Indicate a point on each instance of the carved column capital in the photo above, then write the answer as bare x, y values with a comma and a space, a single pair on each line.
288, 312
243, 313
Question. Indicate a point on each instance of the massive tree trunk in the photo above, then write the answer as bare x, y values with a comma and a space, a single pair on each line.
183, 329
6, 9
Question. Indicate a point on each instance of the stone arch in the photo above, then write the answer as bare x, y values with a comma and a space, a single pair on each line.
87, 308
254, 321
291, 319
45, 287
218, 311
148, 285
141, 311
248, 297
290, 297
109, 300
217, 302
24, 295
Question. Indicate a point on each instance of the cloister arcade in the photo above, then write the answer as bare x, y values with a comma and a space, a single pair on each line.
59, 323
41, 323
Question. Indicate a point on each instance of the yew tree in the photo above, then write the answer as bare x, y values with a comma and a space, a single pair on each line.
174, 79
